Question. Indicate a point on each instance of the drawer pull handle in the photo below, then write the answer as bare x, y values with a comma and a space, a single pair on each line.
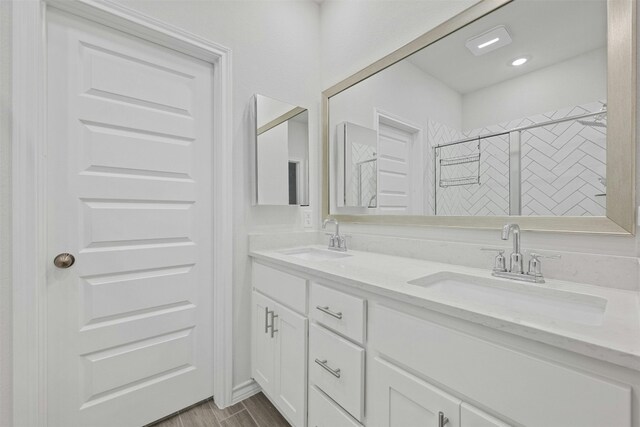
273, 324
442, 420
266, 320
326, 310
323, 363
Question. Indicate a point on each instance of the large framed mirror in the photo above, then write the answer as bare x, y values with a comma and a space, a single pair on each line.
281, 152
513, 109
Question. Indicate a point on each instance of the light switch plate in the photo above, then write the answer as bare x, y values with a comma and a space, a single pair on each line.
306, 218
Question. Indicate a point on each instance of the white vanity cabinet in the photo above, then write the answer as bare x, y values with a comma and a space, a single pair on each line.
473, 417
530, 390
378, 362
399, 399
323, 412
279, 353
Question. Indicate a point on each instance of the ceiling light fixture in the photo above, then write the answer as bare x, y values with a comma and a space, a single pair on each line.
488, 41
519, 61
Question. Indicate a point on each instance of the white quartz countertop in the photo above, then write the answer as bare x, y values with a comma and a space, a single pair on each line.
616, 339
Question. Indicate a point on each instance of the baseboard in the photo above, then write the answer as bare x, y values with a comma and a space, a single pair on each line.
244, 390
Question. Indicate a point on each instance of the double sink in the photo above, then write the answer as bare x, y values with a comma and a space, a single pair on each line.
502, 296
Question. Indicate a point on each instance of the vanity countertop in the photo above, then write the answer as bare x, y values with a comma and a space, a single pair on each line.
616, 339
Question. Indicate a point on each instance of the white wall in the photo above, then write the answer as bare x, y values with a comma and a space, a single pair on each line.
354, 34
576, 81
6, 382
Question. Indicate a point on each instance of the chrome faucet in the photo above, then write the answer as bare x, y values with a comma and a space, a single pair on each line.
516, 270
516, 256
336, 241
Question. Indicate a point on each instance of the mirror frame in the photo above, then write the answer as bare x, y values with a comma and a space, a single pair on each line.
621, 132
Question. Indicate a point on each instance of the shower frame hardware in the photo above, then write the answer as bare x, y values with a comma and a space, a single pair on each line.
602, 112
359, 165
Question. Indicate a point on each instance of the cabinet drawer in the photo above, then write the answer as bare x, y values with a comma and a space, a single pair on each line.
323, 412
524, 388
283, 287
473, 417
336, 310
336, 367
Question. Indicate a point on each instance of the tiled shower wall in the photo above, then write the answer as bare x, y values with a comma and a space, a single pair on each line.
561, 168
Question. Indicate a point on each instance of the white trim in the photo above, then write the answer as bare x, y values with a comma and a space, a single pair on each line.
29, 190
244, 391
28, 204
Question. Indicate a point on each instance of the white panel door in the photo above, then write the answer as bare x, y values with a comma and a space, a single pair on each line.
129, 195
291, 364
399, 399
263, 344
394, 170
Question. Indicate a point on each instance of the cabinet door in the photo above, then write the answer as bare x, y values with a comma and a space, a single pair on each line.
399, 399
474, 417
263, 345
291, 364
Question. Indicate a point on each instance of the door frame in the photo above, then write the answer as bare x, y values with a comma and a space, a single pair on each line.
417, 153
29, 189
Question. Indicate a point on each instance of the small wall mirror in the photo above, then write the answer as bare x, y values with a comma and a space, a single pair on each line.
282, 152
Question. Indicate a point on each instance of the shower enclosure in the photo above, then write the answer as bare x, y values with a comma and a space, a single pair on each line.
552, 164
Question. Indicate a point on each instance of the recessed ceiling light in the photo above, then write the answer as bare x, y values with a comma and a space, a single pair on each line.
519, 61
488, 41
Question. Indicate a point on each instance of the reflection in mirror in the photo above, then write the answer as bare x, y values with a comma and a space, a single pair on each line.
356, 155
282, 152
506, 116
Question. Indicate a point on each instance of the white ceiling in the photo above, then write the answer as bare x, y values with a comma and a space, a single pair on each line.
547, 31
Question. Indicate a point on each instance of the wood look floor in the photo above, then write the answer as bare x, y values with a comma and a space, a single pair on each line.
256, 411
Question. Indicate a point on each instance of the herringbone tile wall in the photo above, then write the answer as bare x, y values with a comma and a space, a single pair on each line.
562, 165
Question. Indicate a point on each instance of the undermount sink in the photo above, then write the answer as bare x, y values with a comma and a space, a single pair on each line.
520, 300
315, 254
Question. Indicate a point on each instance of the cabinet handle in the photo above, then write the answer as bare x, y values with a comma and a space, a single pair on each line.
337, 315
442, 420
266, 320
323, 363
273, 323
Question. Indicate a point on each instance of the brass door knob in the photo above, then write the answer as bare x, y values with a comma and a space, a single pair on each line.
64, 260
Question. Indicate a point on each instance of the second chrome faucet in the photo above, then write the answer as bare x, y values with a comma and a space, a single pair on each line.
336, 241
516, 263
